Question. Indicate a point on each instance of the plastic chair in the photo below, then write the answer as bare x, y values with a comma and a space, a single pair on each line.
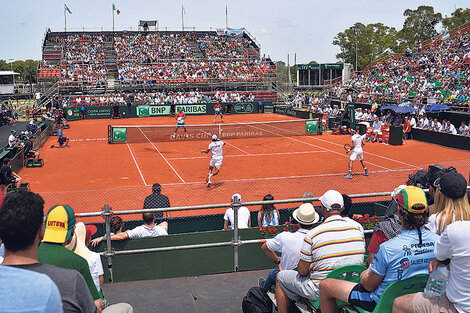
411, 285
349, 272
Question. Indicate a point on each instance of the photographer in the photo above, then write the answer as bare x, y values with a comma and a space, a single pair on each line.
28, 151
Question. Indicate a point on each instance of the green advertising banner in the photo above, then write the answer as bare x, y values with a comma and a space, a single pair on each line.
119, 134
192, 108
311, 127
98, 112
72, 113
245, 108
143, 111
157, 110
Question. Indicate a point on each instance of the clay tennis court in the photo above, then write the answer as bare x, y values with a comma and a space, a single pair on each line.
93, 172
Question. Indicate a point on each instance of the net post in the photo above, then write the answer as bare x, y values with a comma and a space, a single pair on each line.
220, 131
110, 134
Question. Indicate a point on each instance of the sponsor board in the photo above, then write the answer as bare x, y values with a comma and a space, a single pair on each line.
119, 134
311, 127
72, 113
244, 108
143, 111
98, 112
193, 108
158, 110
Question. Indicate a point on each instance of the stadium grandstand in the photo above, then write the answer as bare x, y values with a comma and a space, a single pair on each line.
189, 180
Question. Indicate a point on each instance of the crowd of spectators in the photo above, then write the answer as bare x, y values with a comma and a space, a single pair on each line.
437, 74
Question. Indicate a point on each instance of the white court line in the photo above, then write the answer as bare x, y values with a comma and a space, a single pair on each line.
287, 177
237, 148
171, 166
137, 165
252, 155
325, 149
89, 139
369, 153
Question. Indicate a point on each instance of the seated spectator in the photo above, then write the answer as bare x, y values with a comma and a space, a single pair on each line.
244, 220
288, 244
156, 200
12, 139
450, 202
31, 127
397, 259
149, 229
58, 232
450, 128
116, 225
9, 175
268, 216
386, 229
24, 291
463, 129
452, 246
309, 195
318, 243
347, 207
21, 217
79, 247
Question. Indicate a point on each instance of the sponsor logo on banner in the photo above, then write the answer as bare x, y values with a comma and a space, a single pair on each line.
241, 108
143, 111
192, 108
69, 112
311, 127
119, 134
156, 110
291, 112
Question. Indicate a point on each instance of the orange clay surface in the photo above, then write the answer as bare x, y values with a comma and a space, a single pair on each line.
92, 172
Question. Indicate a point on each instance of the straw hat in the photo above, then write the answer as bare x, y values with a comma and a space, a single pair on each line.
77, 244
306, 214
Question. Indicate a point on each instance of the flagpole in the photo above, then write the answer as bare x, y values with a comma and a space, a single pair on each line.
113, 19
226, 18
182, 17
65, 19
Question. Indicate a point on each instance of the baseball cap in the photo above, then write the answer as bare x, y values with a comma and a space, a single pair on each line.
411, 195
330, 198
306, 214
214, 137
59, 224
452, 185
13, 131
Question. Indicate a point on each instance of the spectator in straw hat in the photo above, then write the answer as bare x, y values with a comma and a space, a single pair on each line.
318, 243
93, 258
288, 244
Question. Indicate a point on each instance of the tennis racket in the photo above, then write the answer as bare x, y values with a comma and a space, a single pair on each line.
347, 147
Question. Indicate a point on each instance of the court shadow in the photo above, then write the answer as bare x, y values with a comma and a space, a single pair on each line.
215, 185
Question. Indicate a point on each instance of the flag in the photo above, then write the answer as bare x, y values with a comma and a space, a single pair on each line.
116, 9
67, 9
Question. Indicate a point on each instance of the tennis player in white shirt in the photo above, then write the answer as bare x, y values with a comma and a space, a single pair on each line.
357, 142
215, 147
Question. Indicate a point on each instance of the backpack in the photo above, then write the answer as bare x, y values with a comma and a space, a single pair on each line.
257, 301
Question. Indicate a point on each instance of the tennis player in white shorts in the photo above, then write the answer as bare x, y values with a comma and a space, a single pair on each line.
217, 157
357, 142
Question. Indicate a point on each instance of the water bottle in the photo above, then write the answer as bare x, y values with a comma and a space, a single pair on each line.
437, 282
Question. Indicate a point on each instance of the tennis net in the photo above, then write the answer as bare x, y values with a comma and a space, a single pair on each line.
162, 133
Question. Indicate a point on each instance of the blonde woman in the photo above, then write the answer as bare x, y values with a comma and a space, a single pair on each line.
450, 202
268, 216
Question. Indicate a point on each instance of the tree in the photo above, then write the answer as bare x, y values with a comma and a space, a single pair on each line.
419, 25
372, 41
458, 18
27, 70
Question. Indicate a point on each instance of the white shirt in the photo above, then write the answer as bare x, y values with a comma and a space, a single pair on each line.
145, 231
96, 268
11, 140
453, 245
216, 149
289, 245
357, 140
452, 129
463, 130
243, 217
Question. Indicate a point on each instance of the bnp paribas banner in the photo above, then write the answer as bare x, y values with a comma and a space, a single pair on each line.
196, 109
192, 108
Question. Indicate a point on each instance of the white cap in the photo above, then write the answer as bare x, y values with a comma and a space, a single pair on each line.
330, 198
214, 137
236, 197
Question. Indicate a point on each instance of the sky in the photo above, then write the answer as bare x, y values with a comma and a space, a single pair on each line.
302, 27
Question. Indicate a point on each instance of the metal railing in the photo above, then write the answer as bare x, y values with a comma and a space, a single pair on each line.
236, 242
